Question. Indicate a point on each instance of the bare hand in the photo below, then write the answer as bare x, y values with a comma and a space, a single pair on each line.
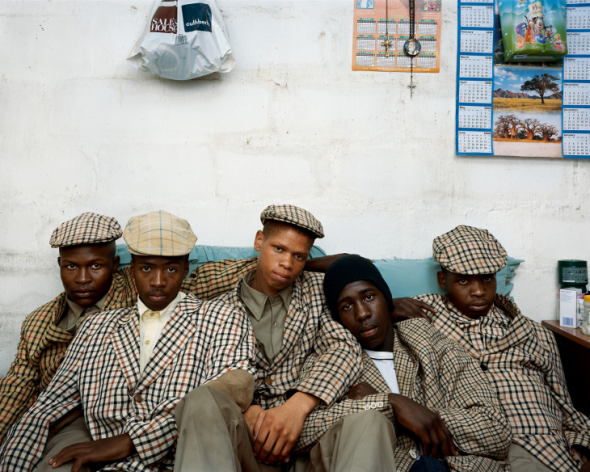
360, 391
321, 264
278, 429
101, 450
251, 416
427, 425
407, 308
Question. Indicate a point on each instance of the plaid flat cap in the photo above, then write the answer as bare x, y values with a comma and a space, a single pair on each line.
294, 216
87, 228
470, 251
159, 233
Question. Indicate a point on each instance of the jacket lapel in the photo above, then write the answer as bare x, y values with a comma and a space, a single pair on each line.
125, 339
293, 324
180, 327
54, 334
405, 364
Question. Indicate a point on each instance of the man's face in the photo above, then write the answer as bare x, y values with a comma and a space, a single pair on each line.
87, 271
158, 279
363, 310
281, 259
473, 295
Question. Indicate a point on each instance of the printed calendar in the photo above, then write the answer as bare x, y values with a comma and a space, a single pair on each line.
521, 109
576, 68
475, 92
578, 43
475, 142
578, 18
477, 41
576, 119
476, 66
576, 94
575, 144
475, 117
477, 16
481, 1
374, 18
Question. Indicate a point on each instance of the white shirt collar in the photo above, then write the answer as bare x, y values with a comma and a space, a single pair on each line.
142, 308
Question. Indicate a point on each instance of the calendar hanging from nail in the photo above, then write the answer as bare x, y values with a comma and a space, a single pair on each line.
380, 32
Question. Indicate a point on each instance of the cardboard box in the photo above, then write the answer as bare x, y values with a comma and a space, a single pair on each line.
568, 308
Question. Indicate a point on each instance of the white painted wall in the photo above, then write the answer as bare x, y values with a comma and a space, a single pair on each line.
81, 130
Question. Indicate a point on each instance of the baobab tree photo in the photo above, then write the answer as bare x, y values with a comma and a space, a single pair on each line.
512, 127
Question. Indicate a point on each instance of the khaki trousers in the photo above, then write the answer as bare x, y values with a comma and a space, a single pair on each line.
522, 461
214, 436
75, 432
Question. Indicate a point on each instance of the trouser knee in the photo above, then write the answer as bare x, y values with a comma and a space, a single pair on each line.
199, 402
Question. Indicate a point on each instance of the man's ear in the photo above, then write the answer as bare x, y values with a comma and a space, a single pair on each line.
116, 262
59, 261
258, 240
186, 268
442, 283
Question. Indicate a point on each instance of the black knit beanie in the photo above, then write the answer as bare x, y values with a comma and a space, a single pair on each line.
349, 269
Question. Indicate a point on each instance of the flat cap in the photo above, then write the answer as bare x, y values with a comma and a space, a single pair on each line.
87, 228
470, 251
159, 233
294, 216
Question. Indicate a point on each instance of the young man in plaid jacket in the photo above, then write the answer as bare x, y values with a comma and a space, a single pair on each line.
414, 378
519, 357
292, 324
129, 368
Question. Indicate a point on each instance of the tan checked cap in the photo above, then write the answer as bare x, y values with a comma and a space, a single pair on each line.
295, 216
159, 233
470, 251
87, 228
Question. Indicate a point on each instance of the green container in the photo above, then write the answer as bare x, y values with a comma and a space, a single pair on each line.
533, 30
573, 273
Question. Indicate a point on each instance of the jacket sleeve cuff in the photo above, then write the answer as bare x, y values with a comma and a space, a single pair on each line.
152, 440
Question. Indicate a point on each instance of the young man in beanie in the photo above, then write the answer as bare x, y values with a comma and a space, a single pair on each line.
423, 383
519, 356
129, 368
292, 323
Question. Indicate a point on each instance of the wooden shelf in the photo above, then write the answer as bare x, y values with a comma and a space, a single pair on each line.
573, 334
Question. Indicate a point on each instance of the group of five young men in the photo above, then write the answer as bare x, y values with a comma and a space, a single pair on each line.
266, 364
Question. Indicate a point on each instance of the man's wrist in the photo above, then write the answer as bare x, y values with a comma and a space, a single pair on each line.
306, 403
392, 398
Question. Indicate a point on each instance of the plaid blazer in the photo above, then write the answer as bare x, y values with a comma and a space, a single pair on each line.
200, 342
309, 329
43, 345
437, 373
525, 369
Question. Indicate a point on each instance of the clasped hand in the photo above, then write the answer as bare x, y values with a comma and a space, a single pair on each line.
276, 430
426, 424
101, 450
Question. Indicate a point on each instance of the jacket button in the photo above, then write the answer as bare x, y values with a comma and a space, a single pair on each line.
268, 381
138, 398
483, 367
413, 454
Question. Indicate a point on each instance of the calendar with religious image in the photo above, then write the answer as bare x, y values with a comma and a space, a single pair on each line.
381, 28
539, 109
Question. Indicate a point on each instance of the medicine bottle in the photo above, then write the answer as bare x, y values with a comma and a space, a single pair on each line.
585, 325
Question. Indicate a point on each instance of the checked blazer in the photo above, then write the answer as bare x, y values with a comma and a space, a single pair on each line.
43, 344
523, 365
309, 330
200, 342
437, 373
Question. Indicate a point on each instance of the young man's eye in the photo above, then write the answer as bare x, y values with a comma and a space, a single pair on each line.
278, 249
463, 281
96, 266
369, 296
171, 269
145, 269
71, 266
347, 307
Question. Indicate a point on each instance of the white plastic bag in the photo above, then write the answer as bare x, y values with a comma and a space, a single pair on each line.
184, 39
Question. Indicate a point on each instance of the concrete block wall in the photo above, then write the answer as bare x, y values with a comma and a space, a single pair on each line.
81, 130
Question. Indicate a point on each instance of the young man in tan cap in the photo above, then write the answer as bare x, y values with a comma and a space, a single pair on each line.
292, 325
519, 356
129, 368
88, 269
